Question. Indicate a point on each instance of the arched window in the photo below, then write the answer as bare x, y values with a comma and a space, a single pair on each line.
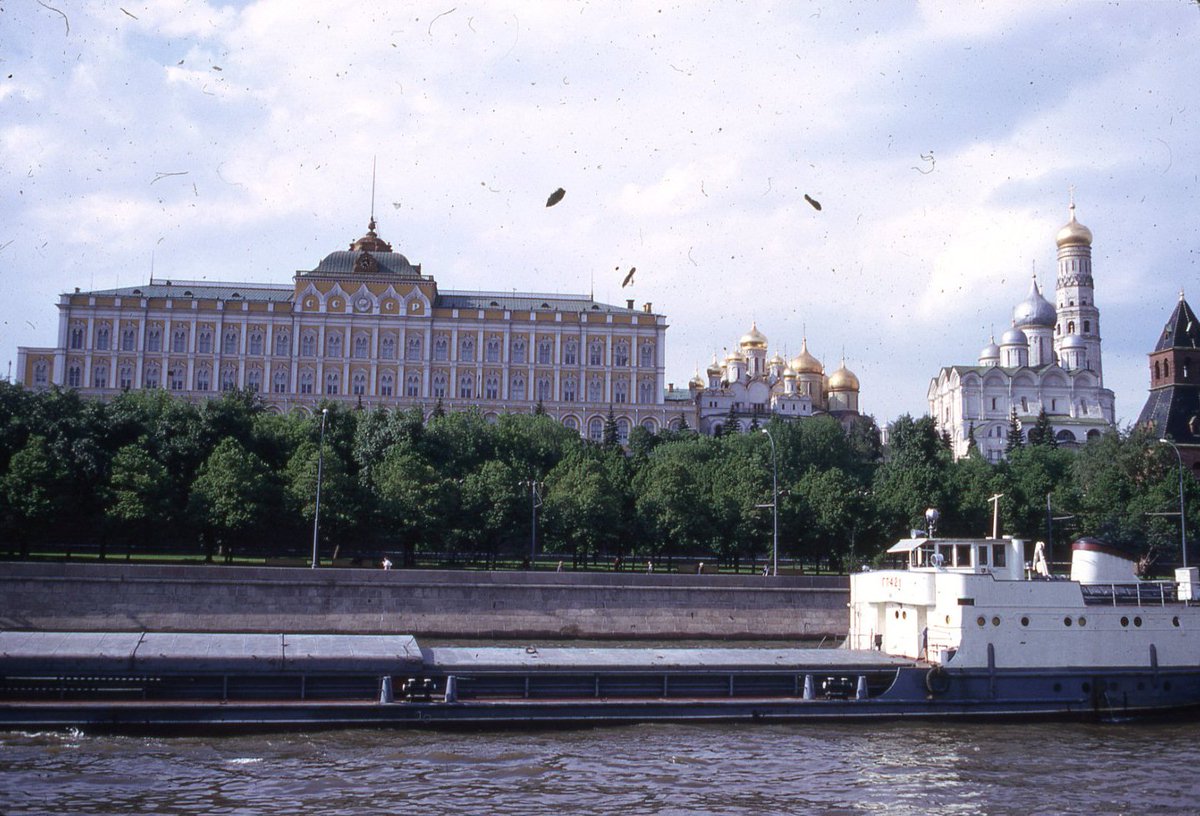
646, 391
254, 380
1166, 368
204, 342
569, 390
102, 338
623, 430
229, 343
595, 429
175, 377
40, 374
76, 337
228, 378
441, 348
333, 383
492, 350
518, 350
152, 373
466, 350
387, 384
154, 340
281, 344
543, 388
100, 376
595, 390
203, 379
412, 385
358, 383
306, 382
466, 385
361, 346
439, 385
1070, 327
646, 355
413, 349
491, 388
571, 422
128, 339
517, 389
125, 377
308, 344
387, 347
178, 341
545, 352
1087, 326
1157, 372
621, 353
596, 353
279, 382
333, 344
570, 353
621, 391
256, 343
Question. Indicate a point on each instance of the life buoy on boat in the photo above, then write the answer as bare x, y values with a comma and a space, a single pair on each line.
937, 680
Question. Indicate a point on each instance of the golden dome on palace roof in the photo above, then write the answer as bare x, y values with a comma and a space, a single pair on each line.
753, 338
805, 363
1074, 233
843, 379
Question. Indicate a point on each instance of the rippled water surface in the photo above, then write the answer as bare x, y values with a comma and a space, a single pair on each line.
667, 769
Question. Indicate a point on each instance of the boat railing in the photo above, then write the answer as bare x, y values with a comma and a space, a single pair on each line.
1139, 593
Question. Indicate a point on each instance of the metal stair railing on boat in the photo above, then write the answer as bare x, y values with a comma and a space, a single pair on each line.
1142, 593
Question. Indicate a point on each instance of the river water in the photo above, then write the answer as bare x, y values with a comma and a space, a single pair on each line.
897, 768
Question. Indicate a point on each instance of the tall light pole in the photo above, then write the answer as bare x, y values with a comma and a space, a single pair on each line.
320, 471
774, 506
535, 501
1182, 518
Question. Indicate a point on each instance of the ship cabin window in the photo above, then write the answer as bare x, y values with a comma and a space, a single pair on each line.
962, 555
982, 556
998, 557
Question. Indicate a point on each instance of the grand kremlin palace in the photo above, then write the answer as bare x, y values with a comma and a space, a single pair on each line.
365, 327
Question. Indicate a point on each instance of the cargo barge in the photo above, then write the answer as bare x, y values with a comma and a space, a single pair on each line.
968, 629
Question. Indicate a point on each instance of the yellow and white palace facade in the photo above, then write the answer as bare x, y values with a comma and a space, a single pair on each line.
365, 327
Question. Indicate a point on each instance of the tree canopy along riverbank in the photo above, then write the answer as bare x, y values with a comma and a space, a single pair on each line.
149, 473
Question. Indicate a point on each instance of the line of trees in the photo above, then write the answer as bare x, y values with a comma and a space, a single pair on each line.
226, 477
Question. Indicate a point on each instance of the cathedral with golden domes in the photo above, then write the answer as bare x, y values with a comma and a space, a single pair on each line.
748, 388
1048, 361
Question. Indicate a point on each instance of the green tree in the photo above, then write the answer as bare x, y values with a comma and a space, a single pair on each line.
232, 498
36, 492
1014, 440
139, 494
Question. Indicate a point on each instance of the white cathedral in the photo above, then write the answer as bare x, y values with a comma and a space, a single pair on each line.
1048, 361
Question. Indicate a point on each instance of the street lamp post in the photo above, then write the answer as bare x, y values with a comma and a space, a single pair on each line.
774, 506
535, 501
1182, 518
320, 471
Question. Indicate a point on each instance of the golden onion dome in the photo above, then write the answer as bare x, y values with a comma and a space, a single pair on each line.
788, 373
843, 379
777, 360
714, 367
753, 338
1074, 233
805, 363
698, 380
735, 356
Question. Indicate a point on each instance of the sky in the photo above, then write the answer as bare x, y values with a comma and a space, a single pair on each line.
236, 142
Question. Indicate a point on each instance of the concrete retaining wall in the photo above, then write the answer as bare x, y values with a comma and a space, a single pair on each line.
429, 603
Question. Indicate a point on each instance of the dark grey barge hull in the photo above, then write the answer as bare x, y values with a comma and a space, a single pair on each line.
161, 681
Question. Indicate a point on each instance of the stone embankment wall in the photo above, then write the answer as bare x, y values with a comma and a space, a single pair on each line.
425, 603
